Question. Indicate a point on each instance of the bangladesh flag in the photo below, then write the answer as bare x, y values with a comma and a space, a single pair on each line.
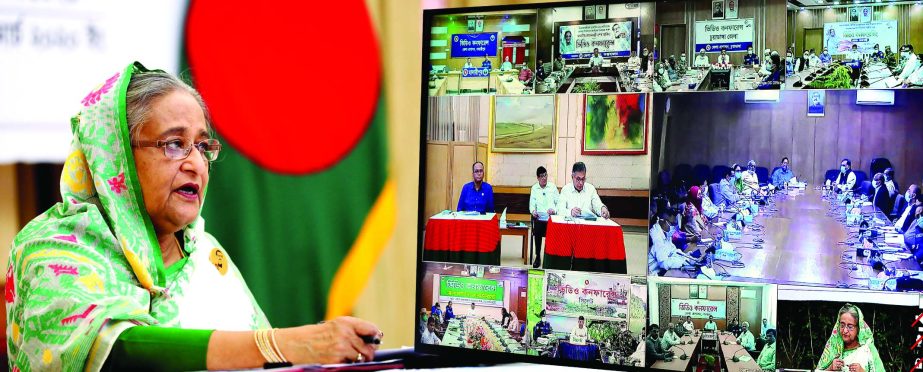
300, 197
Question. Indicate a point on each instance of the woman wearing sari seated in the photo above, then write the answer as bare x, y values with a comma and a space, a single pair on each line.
122, 275
709, 210
694, 220
851, 345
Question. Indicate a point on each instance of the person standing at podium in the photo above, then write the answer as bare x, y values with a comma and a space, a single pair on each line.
579, 198
542, 201
477, 195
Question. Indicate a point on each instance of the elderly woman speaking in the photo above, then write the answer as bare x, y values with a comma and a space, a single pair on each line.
122, 274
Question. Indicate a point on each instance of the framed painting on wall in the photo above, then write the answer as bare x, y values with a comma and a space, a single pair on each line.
615, 124
523, 123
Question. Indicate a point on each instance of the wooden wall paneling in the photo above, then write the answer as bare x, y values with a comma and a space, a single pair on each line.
462, 157
437, 178
782, 141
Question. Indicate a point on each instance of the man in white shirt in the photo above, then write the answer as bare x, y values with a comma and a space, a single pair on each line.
846, 179
670, 338
579, 198
891, 184
468, 63
711, 325
854, 54
688, 325
751, 181
578, 335
724, 58
542, 200
429, 334
634, 60
701, 60
596, 61
911, 64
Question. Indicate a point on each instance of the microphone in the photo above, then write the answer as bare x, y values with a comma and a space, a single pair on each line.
737, 358
683, 356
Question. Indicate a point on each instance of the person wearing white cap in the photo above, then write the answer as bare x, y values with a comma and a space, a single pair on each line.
701, 60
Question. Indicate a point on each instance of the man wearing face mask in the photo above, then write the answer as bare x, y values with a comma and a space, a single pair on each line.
853, 53
911, 64
663, 254
701, 60
663, 76
804, 62
766, 66
908, 203
825, 57
751, 59
727, 193
891, 183
877, 55
724, 58
542, 328
814, 61
683, 64
880, 197
782, 175
846, 179
789, 64
738, 181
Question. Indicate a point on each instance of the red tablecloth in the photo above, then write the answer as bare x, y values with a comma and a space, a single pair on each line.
462, 240
576, 246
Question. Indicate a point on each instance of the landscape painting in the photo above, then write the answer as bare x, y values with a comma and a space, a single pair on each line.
523, 123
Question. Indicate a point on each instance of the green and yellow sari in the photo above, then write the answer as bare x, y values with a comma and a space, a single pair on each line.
90, 267
865, 355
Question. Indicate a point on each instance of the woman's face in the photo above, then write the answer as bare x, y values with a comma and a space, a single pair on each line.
849, 328
172, 189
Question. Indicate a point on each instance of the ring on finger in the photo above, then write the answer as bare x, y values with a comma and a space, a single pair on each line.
360, 358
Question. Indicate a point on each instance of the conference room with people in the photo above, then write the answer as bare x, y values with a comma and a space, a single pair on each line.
697, 325
597, 48
720, 45
836, 329
750, 187
484, 52
543, 181
473, 307
854, 46
593, 318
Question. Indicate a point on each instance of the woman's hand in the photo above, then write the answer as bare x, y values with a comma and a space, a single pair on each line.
856, 367
336, 341
837, 365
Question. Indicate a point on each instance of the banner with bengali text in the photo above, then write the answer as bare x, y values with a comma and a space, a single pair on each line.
474, 45
736, 35
698, 308
597, 296
466, 290
612, 38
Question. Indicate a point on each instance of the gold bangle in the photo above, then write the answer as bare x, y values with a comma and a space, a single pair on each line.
275, 347
262, 343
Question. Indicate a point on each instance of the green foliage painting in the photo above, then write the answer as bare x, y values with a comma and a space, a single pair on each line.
804, 328
615, 124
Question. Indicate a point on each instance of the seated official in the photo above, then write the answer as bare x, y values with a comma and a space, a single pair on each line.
751, 59
670, 338
468, 63
733, 327
826, 58
891, 184
853, 54
727, 192
880, 198
540, 72
449, 312
746, 338
694, 222
663, 254
739, 187
904, 206
767, 358
513, 325
634, 60
913, 236
851, 345
580, 198
750, 180
911, 64
846, 180
688, 325
436, 312
477, 195
506, 65
429, 334
814, 60
543, 199
782, 175
578, 335
486, 63
709, 210
123, 275
663, 76
773, 72
558, 64
701, 60
763, 328
505, 317
596, 61
525, 75
710, 325
653, 349
542, 328
723, 57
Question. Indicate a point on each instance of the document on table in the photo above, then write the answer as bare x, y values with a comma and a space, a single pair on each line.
463, 216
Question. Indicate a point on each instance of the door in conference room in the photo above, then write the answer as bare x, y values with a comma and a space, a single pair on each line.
814, 39
673, 41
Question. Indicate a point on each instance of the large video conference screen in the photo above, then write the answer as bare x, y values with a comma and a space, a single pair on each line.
672, 186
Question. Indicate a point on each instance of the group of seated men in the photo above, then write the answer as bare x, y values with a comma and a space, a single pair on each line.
658, 346
576, 199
